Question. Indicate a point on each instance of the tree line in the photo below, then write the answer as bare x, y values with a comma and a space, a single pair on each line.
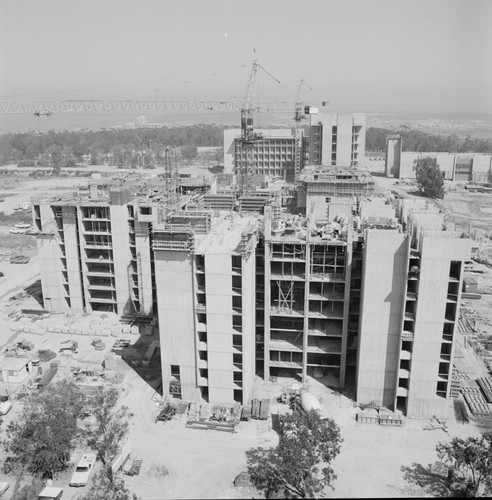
416, 140
122, 145
144, 146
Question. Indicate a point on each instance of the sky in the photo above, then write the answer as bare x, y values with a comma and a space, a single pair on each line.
388, 56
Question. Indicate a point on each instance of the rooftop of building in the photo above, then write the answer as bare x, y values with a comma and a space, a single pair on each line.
287, 227
320, 174
227, 232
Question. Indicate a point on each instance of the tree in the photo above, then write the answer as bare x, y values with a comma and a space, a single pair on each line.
429, 178
291, 470
189, 152
471, 465
104, 489
110, 429
43, 436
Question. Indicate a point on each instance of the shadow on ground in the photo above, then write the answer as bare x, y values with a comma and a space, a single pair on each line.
35, 292
134, 356
418, 475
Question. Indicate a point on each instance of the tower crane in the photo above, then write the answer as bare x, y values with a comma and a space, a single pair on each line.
48, 107
299, 115
245, 168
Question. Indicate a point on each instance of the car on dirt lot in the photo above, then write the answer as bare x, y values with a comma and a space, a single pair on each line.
1, 274
72, 346
19, 259
25, 344
83, 470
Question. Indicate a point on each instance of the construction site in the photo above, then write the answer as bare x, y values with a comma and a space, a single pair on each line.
220, 301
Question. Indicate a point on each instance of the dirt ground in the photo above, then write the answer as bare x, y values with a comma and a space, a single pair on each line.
179, 462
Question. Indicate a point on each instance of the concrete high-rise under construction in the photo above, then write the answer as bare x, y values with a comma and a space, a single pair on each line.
356, 292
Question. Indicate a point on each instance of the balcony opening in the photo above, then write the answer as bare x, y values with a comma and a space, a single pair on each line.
406, 346
401, 404
200, 262
238, 395
455, 270
450, 311
444, 370
204, 393
441, 389
403, 383
405, 364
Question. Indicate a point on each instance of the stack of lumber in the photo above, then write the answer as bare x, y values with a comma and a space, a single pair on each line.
485, 384
475, 401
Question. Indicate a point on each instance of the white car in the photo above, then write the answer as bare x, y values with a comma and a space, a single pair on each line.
16, 230
83, 470
23, 225
5, 406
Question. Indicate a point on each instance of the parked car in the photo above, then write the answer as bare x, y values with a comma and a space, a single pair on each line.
25, 344
19, 259
23, 225
16, 230
83, 470
1, 274
5, 405
72, 346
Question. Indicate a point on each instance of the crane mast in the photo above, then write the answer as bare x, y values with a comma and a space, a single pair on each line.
299, 115
248, 137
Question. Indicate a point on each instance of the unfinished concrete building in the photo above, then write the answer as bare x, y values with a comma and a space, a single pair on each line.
94, 252
411, 292
205, 276
351, 293
337, 139
273, 153
306, 286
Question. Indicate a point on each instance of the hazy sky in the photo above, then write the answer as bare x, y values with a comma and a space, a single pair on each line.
361, 55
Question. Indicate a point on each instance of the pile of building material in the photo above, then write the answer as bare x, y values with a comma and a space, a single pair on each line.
474, 399
485, 384
436, 423
260, 409
49, 375
368, 415
132, 467
440, 469
379, 415
215, 417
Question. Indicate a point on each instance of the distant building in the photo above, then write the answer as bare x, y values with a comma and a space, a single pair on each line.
393, 156
141, 121
464, 167
273, 154
337, 139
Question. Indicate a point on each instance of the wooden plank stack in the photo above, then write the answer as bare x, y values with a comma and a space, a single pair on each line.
485, 384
